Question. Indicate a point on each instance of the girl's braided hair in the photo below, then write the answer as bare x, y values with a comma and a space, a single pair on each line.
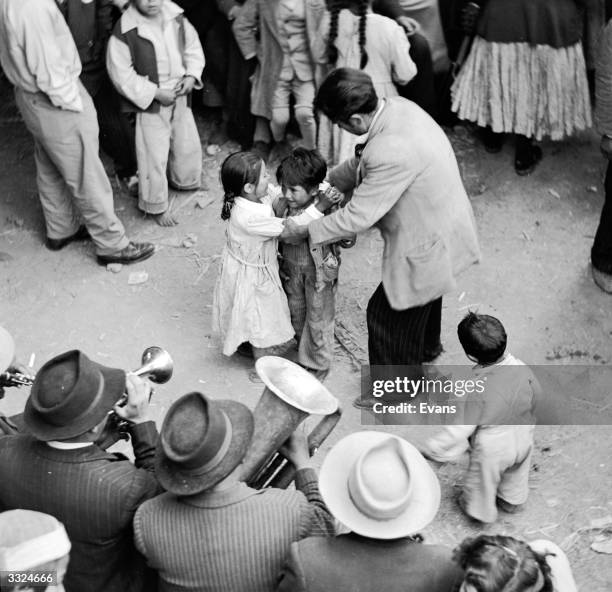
358, 7
237, 170
502, 563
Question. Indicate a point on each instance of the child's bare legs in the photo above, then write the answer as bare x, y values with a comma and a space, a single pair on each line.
280, 110
304, 93
167, 142
282, 350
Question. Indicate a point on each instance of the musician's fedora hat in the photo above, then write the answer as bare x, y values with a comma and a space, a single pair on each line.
202, 441
71, 394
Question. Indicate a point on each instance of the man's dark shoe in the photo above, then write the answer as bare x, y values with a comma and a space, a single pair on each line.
364, 403
429, 355
601, 279
131, 254
55, 244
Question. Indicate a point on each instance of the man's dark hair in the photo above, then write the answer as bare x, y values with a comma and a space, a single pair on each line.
346, 92
483, 337
303, 167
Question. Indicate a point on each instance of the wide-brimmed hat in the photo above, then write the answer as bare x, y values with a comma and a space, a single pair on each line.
7, 349
379, 486
70, 395
29, 539
201, 442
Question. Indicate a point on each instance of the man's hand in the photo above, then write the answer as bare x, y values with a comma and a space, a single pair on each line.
136, 407
295, 449
185, 86
408, 24
293, 233
606, 147
165, 97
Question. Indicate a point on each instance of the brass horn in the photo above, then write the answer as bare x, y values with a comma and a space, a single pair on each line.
157, 365
290, 395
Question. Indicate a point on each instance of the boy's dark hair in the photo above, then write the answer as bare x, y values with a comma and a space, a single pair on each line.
502, 563
346, 92
303, 167
482, 337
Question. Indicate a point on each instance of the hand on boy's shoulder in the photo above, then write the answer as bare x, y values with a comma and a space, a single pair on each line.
293, 233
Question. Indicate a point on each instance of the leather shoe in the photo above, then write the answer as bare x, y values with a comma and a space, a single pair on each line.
131, 254
55, 244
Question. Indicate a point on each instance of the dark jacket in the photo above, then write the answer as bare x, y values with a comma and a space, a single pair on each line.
557, 23
94, 494
351, 563
91, 24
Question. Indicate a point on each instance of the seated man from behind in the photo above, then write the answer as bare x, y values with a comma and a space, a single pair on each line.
210, 531
34, 551
382, 490
60, 470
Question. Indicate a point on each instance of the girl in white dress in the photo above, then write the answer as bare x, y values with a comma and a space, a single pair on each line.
249, 302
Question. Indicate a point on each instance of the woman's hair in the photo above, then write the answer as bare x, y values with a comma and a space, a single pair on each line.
303, 167
237, 170
501, 564
360, 8
482, 337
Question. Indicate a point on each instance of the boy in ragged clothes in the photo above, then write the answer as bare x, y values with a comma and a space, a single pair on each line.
155, 60
309, 273
500, 454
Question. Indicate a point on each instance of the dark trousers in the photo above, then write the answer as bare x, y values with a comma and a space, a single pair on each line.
401, 337
601, 252
117, 132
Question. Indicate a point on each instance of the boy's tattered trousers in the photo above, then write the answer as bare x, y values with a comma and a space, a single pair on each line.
72, 183
168, 148
312, 314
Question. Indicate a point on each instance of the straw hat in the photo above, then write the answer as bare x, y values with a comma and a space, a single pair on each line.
379, 486
29, 539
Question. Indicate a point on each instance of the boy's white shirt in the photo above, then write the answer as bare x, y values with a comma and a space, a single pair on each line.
452, 440
139, 89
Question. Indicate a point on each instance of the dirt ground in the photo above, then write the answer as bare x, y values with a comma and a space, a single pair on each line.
536, 234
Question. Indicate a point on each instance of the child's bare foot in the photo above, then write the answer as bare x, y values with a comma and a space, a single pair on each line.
165, 219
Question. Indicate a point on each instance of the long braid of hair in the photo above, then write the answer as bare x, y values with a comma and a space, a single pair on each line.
332, 50
363, 15
228, 203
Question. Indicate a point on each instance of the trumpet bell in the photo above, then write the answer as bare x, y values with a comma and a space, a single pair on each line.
289, 396
157, 365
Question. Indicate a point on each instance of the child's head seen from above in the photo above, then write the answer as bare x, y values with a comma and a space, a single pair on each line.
299, 176
482, 337
149, 8
243, 174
